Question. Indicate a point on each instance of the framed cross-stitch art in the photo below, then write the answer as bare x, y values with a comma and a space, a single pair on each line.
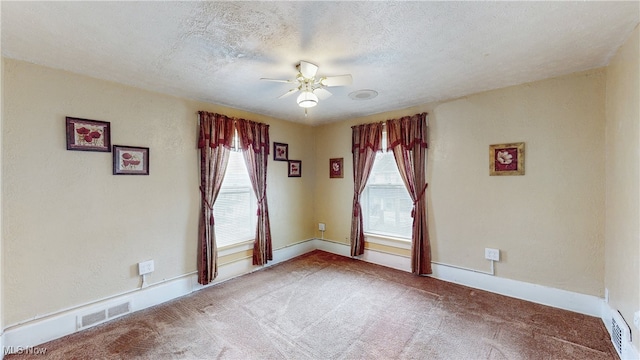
506, 159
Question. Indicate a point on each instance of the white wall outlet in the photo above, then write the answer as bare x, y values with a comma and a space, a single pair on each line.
492, 254
321, 227
636, 319
145, 267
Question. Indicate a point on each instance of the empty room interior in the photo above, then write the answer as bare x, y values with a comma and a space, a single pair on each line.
281, 233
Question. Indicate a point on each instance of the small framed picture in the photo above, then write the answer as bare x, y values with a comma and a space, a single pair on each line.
335, 168
506, 159
130, 160
280, 152
88, 135
295, 168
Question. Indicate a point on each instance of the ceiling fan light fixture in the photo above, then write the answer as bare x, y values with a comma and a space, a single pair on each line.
307, 99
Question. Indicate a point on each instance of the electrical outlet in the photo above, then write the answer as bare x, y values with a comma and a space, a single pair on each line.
321, 227
492, 254
636, 319
145, 267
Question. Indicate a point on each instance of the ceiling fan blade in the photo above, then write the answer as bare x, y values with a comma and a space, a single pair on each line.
288, 93
340, 80
322, 93
308, 70
279, 80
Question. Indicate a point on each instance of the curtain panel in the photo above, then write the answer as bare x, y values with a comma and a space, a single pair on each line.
254, 141
407, 138
366, 140
214, 142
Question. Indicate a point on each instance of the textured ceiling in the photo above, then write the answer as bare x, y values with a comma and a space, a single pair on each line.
411, 53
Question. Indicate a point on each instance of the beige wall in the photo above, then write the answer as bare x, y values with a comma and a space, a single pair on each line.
622, 254
72, 231
549, 223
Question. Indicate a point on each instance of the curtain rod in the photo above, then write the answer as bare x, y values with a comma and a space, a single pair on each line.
384, 122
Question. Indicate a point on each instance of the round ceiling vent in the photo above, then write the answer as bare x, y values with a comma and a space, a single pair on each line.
363, 94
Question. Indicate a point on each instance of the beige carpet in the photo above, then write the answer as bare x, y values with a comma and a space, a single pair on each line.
324, 306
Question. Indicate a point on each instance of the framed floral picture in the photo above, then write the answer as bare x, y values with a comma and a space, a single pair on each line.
506, 159
130, 160
280, 152
88, 135
335, 168
295, 168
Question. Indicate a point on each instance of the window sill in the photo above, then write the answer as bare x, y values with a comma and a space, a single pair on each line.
388, 240
237, 247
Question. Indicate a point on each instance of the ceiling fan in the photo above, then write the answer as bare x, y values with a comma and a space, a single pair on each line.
312, 88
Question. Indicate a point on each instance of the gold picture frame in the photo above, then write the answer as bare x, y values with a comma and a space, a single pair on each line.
506, 159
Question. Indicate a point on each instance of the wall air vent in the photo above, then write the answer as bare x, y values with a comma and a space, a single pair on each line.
620, 333
96, 317
91, 319
118, 310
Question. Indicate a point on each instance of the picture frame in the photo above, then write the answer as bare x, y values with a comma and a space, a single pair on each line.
88, 135
506, 159
336, 168
130, 160
280, 151
295, 168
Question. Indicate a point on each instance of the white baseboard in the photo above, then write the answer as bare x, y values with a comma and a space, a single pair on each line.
563, 299
292, 251
32, 333
375, 257
333, 247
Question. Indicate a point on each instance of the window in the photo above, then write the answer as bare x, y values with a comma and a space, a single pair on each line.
235, 208
386, 203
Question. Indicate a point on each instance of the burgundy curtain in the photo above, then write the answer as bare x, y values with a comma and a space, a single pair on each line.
366, 140
407, 138
254, 141
216, 136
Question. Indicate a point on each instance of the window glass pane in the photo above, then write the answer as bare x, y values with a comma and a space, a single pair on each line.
385, 171
385, 201
235, 207
388, 211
